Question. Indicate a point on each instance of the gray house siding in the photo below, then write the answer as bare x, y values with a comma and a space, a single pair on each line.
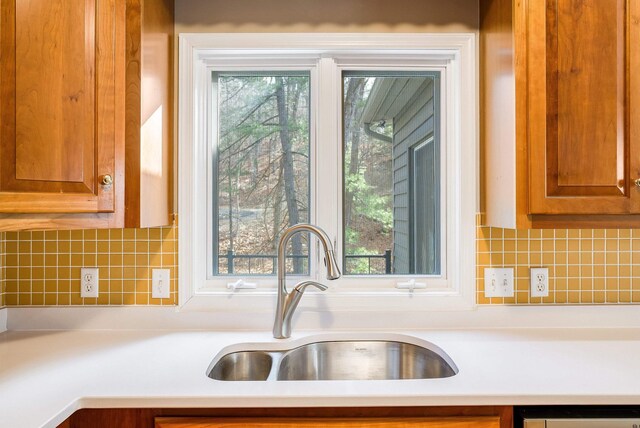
411, 126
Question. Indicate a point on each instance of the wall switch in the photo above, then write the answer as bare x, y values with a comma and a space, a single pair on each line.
160, 286
539, 281
89, 282
498, 282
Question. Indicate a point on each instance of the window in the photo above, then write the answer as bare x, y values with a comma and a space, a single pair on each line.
370, 138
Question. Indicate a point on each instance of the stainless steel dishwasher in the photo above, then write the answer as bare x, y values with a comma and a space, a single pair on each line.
577, 416
583, 423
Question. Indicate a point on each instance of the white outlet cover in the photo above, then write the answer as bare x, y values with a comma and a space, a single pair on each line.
160, 283
539, 282
498, 282
89, 281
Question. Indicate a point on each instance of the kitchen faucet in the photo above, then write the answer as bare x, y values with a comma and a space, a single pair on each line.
287, 302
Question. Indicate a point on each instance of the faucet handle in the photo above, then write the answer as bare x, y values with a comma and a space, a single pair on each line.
300, 288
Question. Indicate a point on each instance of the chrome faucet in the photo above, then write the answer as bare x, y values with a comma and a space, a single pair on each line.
287, 302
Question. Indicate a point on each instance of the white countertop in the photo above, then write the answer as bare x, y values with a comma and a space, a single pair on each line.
47, 375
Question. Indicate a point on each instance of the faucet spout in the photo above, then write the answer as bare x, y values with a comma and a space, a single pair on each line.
288, 302
333, 272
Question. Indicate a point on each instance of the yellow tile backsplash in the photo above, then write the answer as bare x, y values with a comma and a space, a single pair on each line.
586, 266
42, 268
2, 275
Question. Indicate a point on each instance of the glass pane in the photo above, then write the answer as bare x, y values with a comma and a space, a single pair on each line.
262, 170
391, 182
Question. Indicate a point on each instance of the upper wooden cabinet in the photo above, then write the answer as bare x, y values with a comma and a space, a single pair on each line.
72, 85
560, 107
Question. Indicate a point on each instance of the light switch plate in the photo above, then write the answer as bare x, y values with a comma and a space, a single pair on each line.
498, 282
161, 285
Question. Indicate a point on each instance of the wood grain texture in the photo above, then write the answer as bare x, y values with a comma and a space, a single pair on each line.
633, 111
585, 97
108, 62
65, 424
450, 422
578, 107
14, 222
23, 129
133, 108
60, 105
522, 111
589, 65
55, 82
103, 418
578, 221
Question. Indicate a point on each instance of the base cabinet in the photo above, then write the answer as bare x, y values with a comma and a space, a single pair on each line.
450, 422
316, 417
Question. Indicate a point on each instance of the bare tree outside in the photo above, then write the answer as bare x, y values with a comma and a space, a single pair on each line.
262, 169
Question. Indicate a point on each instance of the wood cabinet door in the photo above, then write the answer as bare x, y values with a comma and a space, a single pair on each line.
398, 422
583, 99
60, 105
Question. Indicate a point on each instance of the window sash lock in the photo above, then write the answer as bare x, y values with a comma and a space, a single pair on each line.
410, 285
241, 284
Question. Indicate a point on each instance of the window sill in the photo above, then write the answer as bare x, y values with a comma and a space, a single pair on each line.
334, 301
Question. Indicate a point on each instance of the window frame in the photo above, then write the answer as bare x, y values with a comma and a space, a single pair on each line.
325, 56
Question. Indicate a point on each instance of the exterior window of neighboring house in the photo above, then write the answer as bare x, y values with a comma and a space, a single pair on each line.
361, 137
424, 201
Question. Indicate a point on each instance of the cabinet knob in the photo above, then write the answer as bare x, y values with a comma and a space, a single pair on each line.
107, 180
637, 182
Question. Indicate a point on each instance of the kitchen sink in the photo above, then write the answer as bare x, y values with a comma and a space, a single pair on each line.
334, 359
248, 365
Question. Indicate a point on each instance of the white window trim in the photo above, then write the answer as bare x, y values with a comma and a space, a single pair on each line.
455, 52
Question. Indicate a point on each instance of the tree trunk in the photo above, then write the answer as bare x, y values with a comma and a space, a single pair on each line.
277, 212
230, 208
288, 172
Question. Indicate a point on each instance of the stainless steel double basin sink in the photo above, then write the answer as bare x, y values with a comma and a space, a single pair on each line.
391, 357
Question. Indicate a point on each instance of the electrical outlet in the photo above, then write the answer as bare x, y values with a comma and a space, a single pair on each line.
160, 286
89, 282
539, 281
498, 282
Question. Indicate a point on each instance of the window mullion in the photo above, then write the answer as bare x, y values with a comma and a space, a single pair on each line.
327, 147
